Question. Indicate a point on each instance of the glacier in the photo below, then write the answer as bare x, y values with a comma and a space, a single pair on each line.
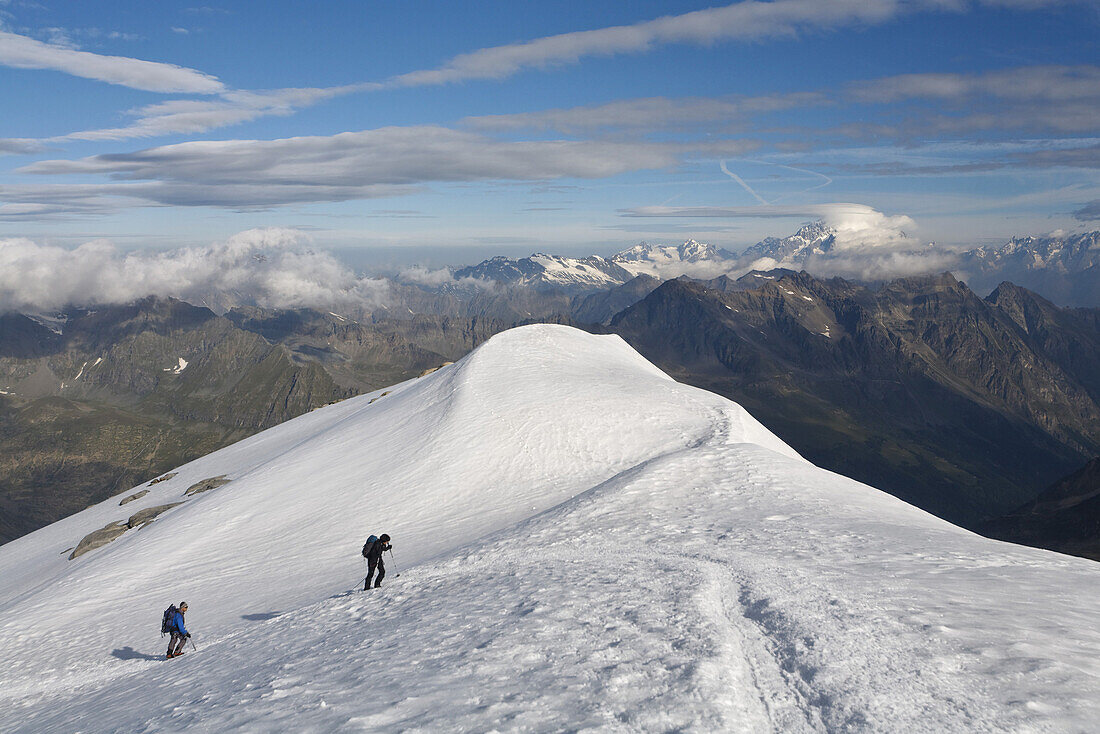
583, 544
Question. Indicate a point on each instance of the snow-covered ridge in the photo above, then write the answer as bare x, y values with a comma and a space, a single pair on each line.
1059, 252
554, 271
583, 543
595, 272
812, 239
689, 252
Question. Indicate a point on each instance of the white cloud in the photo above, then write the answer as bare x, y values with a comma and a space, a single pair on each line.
442, 276
272, 267
354, 165
199, 115
882, 263
858, 226
743, 21
749, 20
740, 21
868, 243
1063, 99
27, 53
650, 113
19, 146
1030, 84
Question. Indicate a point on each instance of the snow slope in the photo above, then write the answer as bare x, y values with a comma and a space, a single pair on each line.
583, 543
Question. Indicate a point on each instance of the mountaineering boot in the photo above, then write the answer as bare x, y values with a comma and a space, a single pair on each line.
169, 656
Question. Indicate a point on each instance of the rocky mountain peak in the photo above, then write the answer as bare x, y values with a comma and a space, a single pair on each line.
810, 239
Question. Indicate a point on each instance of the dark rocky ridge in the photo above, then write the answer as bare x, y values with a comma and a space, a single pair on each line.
921, 388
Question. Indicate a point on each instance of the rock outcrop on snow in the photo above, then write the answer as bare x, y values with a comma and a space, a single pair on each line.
99, 538
206, 485
144, 517
134, 496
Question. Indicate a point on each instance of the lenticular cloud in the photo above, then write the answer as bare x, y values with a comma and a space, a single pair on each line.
271, 267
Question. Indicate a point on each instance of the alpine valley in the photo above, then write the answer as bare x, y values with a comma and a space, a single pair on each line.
966, 404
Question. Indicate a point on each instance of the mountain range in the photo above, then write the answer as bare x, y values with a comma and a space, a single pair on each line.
964, 406
1063, 268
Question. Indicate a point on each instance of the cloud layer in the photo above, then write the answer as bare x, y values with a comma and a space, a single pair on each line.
744, 21
269, 267
27, 53
356, 165
856, 225
650, 113
868, 244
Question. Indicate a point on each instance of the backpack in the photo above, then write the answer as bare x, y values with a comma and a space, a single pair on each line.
169, 615
369, 544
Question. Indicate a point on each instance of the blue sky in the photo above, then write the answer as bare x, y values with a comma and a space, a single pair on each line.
459, 130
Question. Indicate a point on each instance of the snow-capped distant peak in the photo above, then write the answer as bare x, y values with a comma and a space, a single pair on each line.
689, 251
670, 261
692, 251
815, 238
541, 270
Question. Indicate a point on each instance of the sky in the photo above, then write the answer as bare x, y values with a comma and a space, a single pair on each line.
424, 131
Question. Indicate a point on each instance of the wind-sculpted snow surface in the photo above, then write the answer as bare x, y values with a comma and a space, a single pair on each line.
584, 543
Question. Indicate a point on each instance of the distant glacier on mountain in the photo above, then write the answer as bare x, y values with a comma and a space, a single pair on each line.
1064, 268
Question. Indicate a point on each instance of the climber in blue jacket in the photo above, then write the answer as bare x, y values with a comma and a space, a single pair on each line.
178, 630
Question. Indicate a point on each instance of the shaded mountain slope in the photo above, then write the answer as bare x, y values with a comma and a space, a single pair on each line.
923, 388
126, 392
1065, 517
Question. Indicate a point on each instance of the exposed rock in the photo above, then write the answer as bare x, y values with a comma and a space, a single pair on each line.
165, 478
99, 538
382, 395
148, 514
427, 372
206, 485
134, 496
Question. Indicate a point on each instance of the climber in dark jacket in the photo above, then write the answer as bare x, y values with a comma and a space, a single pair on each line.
374, 560
178, 630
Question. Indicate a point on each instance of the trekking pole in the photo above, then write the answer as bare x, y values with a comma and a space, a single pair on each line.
398, 573
193, 645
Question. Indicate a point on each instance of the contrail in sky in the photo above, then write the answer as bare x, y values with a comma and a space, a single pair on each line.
803, 191
738, 179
